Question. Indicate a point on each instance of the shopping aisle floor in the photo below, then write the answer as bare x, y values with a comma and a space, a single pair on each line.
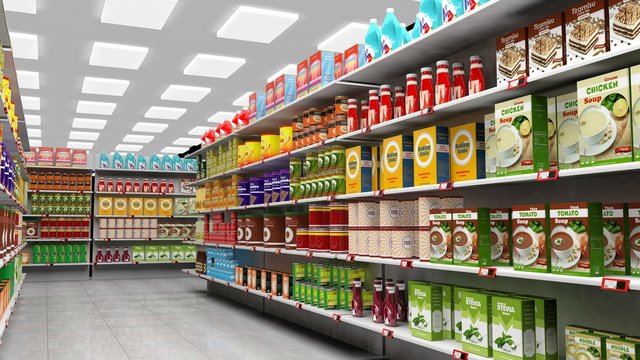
151, 319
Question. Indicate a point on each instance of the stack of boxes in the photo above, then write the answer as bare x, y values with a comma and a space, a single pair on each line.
221, 264
59, 254
328, 286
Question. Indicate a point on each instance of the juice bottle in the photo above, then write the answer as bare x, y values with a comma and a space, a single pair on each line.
390, 306
372, 41
163, 187
154, 186
101, 185
128, 187
391, 37
356, 302
170, 188
108, 257
426, 88
136, 186
110, 187
99, 256
364, 112
352, 115
476, 75
145, 186
386, 106
378, 301
459, 85
398, 102
401, 301
443, 83
119, 186
411, 95
374, 108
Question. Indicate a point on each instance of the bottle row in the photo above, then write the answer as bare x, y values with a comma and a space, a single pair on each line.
130, 161
59, 180
59, 254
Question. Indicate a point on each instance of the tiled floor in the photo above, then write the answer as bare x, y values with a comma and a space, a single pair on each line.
150, 319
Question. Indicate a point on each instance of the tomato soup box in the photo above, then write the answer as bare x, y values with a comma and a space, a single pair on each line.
586, 31
513, 322
425, 310
285, 89
615, 235
511, 56
440, 236
568, 131
635, 110
430, 156
302, 79
552, 133
320, 69
490, 145
634, 238
476, 317
467, 152
546, 44
622, 349
270, 97
471, 237
530, 225
354, 57
397, 162
603, 119
359, 169
522, 136
624, 23
500, 223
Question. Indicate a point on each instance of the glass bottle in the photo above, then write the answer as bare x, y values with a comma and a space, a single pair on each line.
108, 257
154, 186
356, 302
401, 301
386, 106
426, 88
125, 255
476, 75
390, 306
136, 186
398, 102
99, 256
374, 108
116, 255
145, 186
353, 116
411, 95
364, 113
443, 83
378, 301
119, 186
101, 185
110, 187
459, 89
128, 186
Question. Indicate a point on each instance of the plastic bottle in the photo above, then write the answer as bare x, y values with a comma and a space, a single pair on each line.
145, 186
390, 306
117, 161
356, 302
411, 94
386, 105
353, 118
130, 161
170, 187
428, 18
476, 75
459, 86
110, 187
364, 113
377, 309
426, 87
142, 162
119, 186
443, 82
167, 163
450, 9
155, 163
401, 301
99, 256
125, 255
136, 186
104, 162
399, 106
155, 188
391, 37
101, 185
163, 187
374, 108
406, 36
116, 255
108, 257
128, 186
372, 41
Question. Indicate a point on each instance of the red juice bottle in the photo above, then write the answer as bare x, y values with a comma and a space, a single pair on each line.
459, 85
426, 88
374, 108
108, 257
145, 186
411, 97
390, 306
154, 186
128, 187
163, 187
352, 115
399, 106
476, 75
110, 187
386, 105
101, 185
401, 301
119, 186
136, 186
364, 113
170, 188
356, 302
378, 301
443, 82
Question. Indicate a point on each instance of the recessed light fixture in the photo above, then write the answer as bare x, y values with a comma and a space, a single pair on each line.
32, 120
30, 102
243, 100
24, 46
94, 124
199, 130
35, 142
84, 135
148, 14
173, 150
117, 55
142, 139
187, 141
28, 79
150, 127
213, 66
290, 69
257, 25
104, 86
128, 147
23, 6
344, 38
95, 107
185, 93
79, 145
166, 113
221, 116
34, 133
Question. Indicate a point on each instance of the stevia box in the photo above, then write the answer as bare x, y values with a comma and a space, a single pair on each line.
603, 119
568, 131
546, 44
471, 237
615, 239
476, 323
513, 325
511, 56
546, 327
586, 31
522, 136
530, 225
500, 236
440, 236
425, 310
635, 110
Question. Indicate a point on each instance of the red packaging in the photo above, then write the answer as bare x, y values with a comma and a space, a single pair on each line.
386, 105
374, 108
399, 105
44, 156
136, 186
353, 117
252, 106
270, 98
443, 83
128, 187
426, 88
459, 85
337, 65
78, 158
364, 113
338, 214
476, 75
63, 157
302, 79
339, 241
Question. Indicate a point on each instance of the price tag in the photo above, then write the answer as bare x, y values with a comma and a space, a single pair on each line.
378, 193
266, 204
487, 272
246, 289
516, 83
460, 355
269, 296
295, 201
611, 284
298, 306
445, 186
253, 248
331, 198
407, 264
426, 111
50, 264
387, 333
546, 175
351, 258
278, 251
366, 129
309, 254
337, 317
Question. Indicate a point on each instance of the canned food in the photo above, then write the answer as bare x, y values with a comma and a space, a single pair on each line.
341, 105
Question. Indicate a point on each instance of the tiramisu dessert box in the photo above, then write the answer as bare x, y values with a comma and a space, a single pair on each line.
624, 23
546, 44
586, 31
511, 56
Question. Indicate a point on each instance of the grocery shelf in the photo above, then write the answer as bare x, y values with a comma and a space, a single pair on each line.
205, 147
57, 264
57, 215
7, 258
59, 240
150, 216
8, 199
4, 321
58, 168
142, 263
144, 194
140, 239
13, 144
30, 191
317, 254
149, 173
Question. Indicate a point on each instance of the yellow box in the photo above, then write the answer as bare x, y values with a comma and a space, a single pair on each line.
105, 205
269, 145
165, 206
136, 206
150, 206
430, 156
120, 206
396, 162
359, 169
467, 152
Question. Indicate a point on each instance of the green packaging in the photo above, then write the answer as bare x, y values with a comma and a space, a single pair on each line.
353, 273
330, 298
570, 344
367, 299
500, 223
513, 322
529, 241
622, 349
335, 270
298, 271
457, 310
313, 295
177, 253
425, 310
476, 323
323, 275
295, 292
447, 311
164, 253
546, 327
137, 253
321, 296
151, 253
347, 297
590, 346
615, 239
470, 224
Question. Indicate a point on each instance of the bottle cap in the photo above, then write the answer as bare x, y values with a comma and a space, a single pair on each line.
412, 75
426, 69
475, 58
373, 21
442, 62
389, 10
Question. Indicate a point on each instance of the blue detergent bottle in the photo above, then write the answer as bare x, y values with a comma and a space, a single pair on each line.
154, 162
104, 162
167, 163
429, 17
372, 41
130, 161
142, 162
117, 161
406, 36
391, 33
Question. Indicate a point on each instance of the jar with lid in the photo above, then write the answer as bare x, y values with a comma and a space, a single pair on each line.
426, 88
476, 75
443, 83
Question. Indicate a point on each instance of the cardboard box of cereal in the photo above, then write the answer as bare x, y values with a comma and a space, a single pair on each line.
546, 44
586, 32
270, 97
522, 135
634, 238
359, 169
440, 237
513, 322
430, 156
511, 56
471, 237
635, 110
615, 240
552, 132
624, 23
476, 323
490, 145
603, 118
397, 162
568, 131
467, 152
302, 79
500, 221
530, 225
425, 310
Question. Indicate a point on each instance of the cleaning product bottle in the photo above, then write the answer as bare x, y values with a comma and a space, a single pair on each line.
391, 37
177, 163
378, 301
356, 302
372, 41
154, 162
428, 18
104, 162
450, 9
117, 161
406, 36
130, 161
167, 164
142, 162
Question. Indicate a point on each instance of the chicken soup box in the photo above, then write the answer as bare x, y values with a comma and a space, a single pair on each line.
530, 225
513, 323
425, 310
568, 131
522, 136
471, 237
430, 156
490, 145
603, 118
467, 152
635, 110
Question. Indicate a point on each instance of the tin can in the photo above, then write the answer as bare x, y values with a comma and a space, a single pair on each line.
339, 214
294, 186
269, 145
273, 233
302, 238
341, 105
294, 220
339, 183
330, 122
338, 157
322, 134
339, 241
286, 139
295, 168
311, 164
342, 125
252, 152
253, 231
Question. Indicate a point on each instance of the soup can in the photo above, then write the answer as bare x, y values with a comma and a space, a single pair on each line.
286, 139
295, 168
253, 229
341, 126
293, 221
339, 214
339, 241
302, 238
311, 164
274, 229
341, 105
338, 157
269, 145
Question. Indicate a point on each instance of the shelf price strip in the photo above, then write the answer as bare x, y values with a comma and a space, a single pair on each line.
460, 355
611, 284
489, 272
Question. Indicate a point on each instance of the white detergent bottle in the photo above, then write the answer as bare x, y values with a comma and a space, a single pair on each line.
372, 41
391, 33
429, 17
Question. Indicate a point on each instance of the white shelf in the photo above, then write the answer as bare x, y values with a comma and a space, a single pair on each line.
7, 258
150, 216
57, 216
8, 199
113, 193
58, 168
9, 310
142, 263
57, 264
59, 240
59, 191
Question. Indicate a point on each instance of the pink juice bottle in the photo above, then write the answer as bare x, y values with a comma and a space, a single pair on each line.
125, 255
401, 301
108, 257
356, 302
99, 256
378, 302
390, 306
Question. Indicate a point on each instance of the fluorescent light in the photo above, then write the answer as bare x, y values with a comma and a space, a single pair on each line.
166, 113
83, 135
35, 142
173, 150
128, 147
143, 139
30, 102
185, 93
221, 116
257, 25
103, 86
95, 124
32, 120
95, 107
34, 133
148, 14
23, 6
150, 127
117, 56
187, 141
79, 145
199, 130
28, 79
345, 38
242, 100
24, 46
290, 69
213, 66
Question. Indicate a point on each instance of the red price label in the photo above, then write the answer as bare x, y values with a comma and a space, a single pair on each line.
487, 272
516, 83
445, 186
337, 317
426, 111
246, 289
546, 175
366, 129
298, 306
253, 248
269, 296
309, 254
351, 258
378, 193
387, 333
278, 251
407, 264
460, 355
611, 284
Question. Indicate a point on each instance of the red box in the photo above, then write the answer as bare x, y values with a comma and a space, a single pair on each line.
252, 106
338, 65
79, 158
44, 156
270, 99
302, 79
63, 157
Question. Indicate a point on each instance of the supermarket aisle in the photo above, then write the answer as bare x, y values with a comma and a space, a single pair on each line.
151, 319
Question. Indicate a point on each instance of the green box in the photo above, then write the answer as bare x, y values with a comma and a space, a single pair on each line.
353, 273
313, 295
295, 290
177, 252
441, 230
425, 310
501, 250
151, 253
513, 322
330, 298
346, 296
546, 327
164, 253
590, 346
614, 228
467, 225
457, 310
622, 349
190, 252
310, 272
447, 311
570, 344
320, 291
531, 224
335, 270
476, 323
137, 253
323, 275
298, 271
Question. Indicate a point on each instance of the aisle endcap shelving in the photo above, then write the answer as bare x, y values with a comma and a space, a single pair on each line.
8, 199
4, 322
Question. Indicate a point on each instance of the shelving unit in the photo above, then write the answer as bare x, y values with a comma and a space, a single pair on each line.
4, 321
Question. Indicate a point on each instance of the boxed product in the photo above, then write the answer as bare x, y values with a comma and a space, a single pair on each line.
120, 206
447, 312
634, 238
105, 205
136, 206
635, 110
624, 23
552, 132
302, 79
270, 97
164, 253
397, 162
603, 117
590, 346
546, 44
338, 65
500, 223
151, 253
359, 169
257, 106
190, 252
614, 222
354, 57
177, 253
568, 131
430, 156
546, 323
476, 318
511, 56
467, 152
320, 69
530, 225
285, 90
522, 135
425, 310
440, 236
570, 344
513, 321
375, 168
63, 157
165, 206
44, 156
471, 237
150, 206
78, 158
586, 31
490, 145
137, 253
622, 349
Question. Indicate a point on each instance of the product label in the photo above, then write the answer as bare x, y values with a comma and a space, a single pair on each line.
529, 239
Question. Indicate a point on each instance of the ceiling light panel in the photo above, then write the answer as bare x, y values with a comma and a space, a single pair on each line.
166, 113
187, 141
79, 145
290, 69
24, 46
33, 120
95, 124
221, 116
84, 135
173, 150
199, 130
185, 93
35, 142
30, 102
23, 6
256, 25
142, 139
345, 38
128, 147
148, 14
213, 66
34, 133
150, 127
117, 56
242, 100
28, 79
104, 86
95, 107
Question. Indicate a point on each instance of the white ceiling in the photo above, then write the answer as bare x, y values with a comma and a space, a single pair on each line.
158, 83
